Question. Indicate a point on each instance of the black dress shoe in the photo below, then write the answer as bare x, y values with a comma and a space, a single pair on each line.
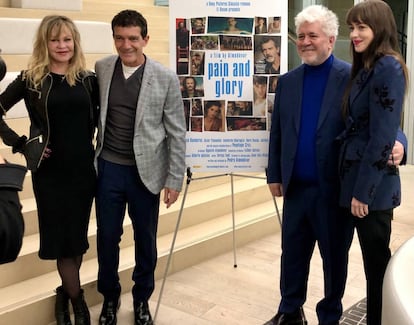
142, 313
295, 318
108, 313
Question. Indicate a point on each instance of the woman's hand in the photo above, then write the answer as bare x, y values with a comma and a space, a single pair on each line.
358, 208
397, 154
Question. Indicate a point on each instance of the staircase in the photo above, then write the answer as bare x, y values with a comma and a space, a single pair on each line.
206, 230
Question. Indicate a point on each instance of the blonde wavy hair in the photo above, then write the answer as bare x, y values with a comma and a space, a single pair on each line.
38, 66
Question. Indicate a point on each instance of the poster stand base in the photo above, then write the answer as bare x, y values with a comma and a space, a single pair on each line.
187, 184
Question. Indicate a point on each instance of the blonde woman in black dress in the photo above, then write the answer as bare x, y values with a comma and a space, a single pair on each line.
59, 94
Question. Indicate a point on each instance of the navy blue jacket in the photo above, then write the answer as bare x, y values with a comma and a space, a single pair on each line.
375, 108
285, 128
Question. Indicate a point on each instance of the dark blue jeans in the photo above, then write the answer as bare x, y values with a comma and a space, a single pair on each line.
119, 187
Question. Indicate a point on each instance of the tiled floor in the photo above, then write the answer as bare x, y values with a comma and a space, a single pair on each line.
214, 292
356, 314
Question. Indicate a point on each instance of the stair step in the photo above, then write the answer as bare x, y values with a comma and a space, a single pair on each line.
214, 199
193, 245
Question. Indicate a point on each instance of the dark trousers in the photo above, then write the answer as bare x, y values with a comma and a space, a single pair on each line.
309, 218
120, 186
374, 233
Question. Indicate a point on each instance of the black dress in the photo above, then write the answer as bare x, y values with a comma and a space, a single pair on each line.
64, 184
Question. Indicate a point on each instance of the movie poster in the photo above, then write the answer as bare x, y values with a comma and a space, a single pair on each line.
228, 56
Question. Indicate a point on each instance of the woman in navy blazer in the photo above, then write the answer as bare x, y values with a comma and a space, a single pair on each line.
372, 106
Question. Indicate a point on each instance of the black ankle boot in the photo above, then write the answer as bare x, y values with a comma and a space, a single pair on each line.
62, 314
81, 311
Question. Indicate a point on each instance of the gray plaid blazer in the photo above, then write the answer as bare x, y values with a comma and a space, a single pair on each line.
159, 136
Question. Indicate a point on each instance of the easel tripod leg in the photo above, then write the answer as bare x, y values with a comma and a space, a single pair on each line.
234, 222
167, 267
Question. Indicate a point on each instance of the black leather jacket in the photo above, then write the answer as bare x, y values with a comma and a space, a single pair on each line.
36, 104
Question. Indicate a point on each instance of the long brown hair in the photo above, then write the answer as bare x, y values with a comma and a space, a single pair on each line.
379, 17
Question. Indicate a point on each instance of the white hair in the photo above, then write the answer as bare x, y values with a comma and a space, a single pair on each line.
327, 18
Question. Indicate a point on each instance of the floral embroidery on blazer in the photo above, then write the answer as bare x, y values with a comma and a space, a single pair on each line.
375, 107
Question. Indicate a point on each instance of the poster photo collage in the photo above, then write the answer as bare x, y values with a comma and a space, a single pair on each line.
198, 36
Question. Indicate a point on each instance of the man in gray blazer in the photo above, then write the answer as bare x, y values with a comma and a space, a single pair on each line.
140, 150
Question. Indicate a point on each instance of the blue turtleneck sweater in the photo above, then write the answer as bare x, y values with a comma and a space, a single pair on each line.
314, 84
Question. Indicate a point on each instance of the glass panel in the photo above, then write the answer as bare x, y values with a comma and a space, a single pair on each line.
294, 7
342, 44
400, 9
161, 2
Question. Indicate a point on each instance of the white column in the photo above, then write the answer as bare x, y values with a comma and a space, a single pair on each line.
408, 126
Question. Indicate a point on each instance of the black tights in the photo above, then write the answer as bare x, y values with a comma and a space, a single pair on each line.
68, 269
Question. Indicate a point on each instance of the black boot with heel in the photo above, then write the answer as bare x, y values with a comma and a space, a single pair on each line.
81, 311
62, 314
